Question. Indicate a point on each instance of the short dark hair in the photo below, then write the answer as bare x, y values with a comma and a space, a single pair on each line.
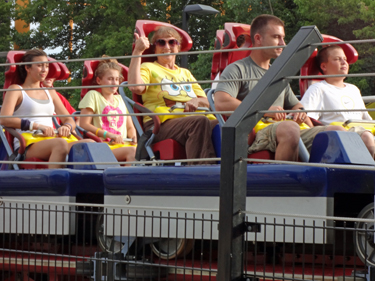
260, 22
29, 57
323, 54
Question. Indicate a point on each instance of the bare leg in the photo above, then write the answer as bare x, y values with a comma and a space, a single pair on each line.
80, 141
368, 140
125, 154
52, 150
287, 135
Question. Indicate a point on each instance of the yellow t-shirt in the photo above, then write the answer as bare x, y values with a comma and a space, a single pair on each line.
113, 124
155, 96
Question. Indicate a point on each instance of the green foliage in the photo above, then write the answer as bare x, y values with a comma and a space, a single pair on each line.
100, 27
202, 68
5, 35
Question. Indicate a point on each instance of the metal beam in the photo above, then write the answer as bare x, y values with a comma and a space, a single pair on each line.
234, 148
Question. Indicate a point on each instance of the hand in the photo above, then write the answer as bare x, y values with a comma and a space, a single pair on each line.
191, 105
115, 138
276, 116
64, 131
47, 131
299, 117
141, 44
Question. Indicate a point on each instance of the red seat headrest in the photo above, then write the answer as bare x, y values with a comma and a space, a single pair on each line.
89, 68
145, 27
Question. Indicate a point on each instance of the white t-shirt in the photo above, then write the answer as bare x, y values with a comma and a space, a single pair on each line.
324, 96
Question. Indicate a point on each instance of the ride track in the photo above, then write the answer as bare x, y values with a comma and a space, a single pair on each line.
95, 220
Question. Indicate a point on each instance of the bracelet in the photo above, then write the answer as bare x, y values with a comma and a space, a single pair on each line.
31, 125
96, 133
70, 125
25, 124
301, 108
104, 134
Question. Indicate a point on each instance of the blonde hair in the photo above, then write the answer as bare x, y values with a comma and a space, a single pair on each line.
107, 64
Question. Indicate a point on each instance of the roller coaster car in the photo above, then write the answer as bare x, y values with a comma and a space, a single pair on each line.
311, 68
228, 39
167, 149
56, 70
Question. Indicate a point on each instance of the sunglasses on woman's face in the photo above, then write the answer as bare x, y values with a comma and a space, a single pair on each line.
162, 42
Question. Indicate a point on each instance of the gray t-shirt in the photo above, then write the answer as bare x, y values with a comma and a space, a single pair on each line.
245, 69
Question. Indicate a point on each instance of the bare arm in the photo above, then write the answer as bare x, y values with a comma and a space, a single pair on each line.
86, 121
225, 102
134, 74
9, 104
60, 109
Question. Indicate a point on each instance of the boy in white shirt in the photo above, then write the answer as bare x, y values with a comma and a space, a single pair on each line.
333, 94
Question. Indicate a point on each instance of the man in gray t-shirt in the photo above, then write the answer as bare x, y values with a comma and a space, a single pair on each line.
281, 137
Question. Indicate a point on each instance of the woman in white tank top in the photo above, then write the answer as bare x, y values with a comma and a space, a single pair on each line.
37, 102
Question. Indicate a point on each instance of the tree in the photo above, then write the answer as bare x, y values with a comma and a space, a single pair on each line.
100, 27
5, 35
244, 11
347, 20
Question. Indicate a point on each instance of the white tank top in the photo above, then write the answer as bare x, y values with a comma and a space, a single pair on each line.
33, 107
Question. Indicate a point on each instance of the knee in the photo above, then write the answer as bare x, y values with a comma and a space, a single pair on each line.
61, 146
335, 128
368, 138
288, 131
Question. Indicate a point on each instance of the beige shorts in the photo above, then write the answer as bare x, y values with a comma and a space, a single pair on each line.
266, 138
359, 130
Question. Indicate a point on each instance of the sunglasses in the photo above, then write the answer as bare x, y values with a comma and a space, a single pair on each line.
162, 42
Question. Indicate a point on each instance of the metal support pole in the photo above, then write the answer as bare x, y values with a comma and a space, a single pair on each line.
185, 19
234, 148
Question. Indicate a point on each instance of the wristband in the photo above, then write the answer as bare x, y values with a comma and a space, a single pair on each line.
70, 125
96, 133
104, 134
301, 108
31, 125
25, 124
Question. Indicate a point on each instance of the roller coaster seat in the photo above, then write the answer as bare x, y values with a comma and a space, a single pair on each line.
227, 39
311, 68
57, 70
146, 27
168, 149
88, 78
10, 134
